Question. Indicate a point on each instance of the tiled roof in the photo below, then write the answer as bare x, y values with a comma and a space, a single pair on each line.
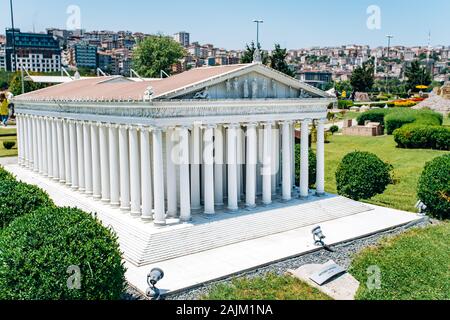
119, 88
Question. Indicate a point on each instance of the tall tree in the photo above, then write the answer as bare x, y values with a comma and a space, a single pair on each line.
417, 75
249, 53
278, 61
363, 77
156, 53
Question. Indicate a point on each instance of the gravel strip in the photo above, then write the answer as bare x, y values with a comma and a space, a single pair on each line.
343, 256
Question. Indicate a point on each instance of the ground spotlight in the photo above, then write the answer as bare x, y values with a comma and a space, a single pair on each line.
318, 237
153, 278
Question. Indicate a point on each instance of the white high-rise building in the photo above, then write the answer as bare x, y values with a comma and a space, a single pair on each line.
182, 38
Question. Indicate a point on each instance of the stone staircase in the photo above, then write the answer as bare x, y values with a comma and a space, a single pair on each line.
143, 244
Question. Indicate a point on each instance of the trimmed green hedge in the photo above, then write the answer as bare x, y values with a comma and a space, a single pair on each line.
400, 117
434, 187
362, 175
375, 115
18, 199
417, 136
60, 254
396, 118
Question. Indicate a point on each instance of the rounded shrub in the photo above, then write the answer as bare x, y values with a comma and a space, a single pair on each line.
345, 104
434, 187
60, 254
334, 129
18, 199
415, 136
362, 175
9, 144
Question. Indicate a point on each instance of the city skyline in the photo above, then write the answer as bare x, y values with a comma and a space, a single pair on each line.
280, 25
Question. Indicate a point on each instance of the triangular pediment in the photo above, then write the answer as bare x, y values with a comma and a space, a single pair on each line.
252, 81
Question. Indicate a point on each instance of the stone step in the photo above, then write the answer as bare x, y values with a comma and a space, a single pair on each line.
144, 244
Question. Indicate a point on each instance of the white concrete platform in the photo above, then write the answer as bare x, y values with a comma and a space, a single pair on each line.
214, 248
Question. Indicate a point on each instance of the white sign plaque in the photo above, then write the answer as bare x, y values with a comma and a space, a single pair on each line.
327, 272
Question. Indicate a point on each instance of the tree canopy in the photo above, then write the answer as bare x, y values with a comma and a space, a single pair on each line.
249, 52
278, 61
156, 53
417, 75
362, 79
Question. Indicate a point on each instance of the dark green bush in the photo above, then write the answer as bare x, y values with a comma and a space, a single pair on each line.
417, 136
18, 199
39, 252
312, 166
9, 144
334, 129
362, 175
5, 175
375, 115
345, 104
434, 187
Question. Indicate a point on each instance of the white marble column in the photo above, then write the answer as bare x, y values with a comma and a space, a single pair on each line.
158, 175
251, 162
19, 138
61, 160
135, 172
40, 146
96, 167
304, 171
275, 158
239, 161
48, 125
73, 155
232, 167
195, 169
67, 158
55, 150
124, 169
114, 167
286, 158
185, 193
218, 166
146, 175
44, 146
35, 145
293, 156
80, 157
87, 144
320, 181
30, 142
104, 163
267, 164
208, 154
172, 200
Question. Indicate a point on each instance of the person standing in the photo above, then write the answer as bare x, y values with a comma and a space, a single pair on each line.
4, 110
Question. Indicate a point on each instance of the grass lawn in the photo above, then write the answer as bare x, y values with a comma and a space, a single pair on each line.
270, 287
408, 166
414, 266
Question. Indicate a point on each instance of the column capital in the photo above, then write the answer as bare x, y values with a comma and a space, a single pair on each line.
268, 123
208, 126
321, 121
184, 127
232, 125
286, 122
250, 125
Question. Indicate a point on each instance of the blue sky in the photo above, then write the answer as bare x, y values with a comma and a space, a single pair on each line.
292, 23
